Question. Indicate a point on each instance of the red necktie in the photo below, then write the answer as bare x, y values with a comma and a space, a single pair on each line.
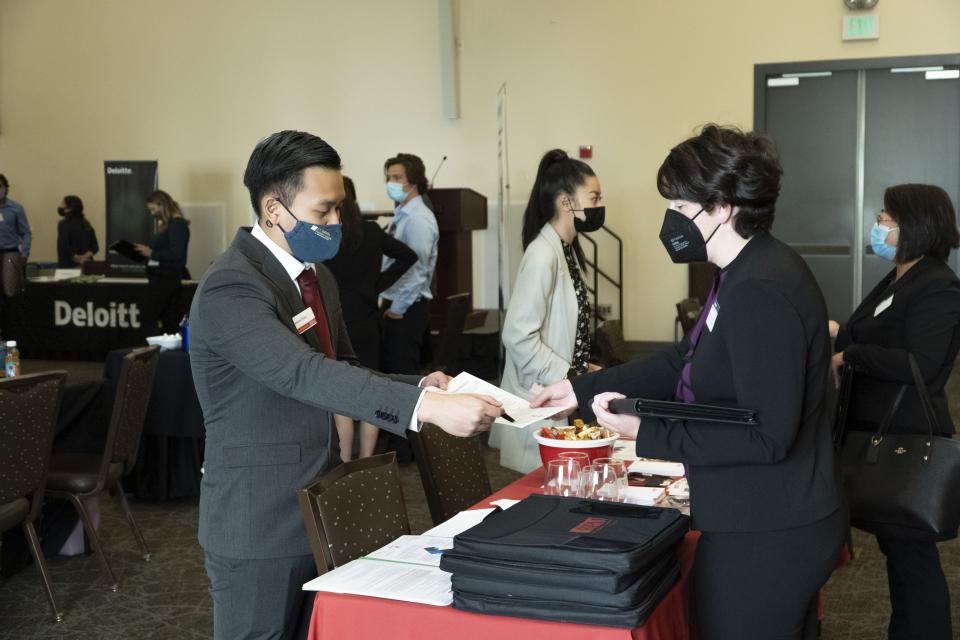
311, 296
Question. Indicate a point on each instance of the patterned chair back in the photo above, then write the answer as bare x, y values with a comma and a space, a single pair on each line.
354, 509
29, 406
452, 471
134, 386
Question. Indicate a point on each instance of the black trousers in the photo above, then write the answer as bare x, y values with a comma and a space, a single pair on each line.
919, 595
400, 349
764, 584
163, 310
403, 339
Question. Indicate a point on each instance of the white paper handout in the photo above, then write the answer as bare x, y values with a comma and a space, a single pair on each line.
422, 550
516, 407
386, 579
406, 569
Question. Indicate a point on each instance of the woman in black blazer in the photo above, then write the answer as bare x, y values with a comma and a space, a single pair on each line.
765, 497
357, 269
914, 310
166, 263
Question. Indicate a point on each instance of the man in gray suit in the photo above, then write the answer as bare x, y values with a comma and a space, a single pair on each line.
272, 364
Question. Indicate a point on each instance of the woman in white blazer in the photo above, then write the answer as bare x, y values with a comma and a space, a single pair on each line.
546, 334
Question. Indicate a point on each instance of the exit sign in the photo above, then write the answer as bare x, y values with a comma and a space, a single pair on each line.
861, 27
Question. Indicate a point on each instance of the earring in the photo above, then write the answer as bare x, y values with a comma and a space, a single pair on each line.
269, 224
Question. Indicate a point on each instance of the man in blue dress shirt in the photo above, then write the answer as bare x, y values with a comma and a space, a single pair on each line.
415, 225
15, 240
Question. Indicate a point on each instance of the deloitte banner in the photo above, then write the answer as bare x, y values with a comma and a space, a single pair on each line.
128, 183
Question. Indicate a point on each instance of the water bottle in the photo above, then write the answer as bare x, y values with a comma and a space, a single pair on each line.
185, 333
11, 360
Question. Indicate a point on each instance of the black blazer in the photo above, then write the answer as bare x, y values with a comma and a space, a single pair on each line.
170, 248
358, 273
768, 350
75, 236
923, 318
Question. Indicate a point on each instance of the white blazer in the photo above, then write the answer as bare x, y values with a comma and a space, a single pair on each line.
538, 335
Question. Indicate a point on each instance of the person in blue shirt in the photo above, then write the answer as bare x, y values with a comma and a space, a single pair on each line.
15, 238
166, 262
407, 315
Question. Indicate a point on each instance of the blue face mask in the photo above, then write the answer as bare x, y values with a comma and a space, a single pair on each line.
395, 192
312, 242
878, 241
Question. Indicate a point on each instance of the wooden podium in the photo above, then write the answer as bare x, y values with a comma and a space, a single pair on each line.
459, 212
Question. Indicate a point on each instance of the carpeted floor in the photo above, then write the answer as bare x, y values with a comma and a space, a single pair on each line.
167, 597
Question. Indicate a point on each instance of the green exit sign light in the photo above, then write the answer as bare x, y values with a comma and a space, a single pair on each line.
861, 27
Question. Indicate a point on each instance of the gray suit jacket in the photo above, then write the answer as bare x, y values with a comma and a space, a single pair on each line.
268, 396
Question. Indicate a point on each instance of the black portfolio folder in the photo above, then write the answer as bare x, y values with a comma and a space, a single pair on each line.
683, 411
127, 250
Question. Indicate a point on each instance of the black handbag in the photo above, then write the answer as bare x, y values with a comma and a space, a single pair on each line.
900, 485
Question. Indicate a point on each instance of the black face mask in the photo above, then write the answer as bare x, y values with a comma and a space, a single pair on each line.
594, 217
682, 239
62, 211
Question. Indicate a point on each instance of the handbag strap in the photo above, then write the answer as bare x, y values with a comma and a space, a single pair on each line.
925, 400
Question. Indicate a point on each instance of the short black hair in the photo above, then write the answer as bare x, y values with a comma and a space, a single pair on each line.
3, 181
414, 168
926, 218
277, 163
724, 165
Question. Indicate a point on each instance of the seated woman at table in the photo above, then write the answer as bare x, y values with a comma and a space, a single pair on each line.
76, 239
546, 333
167, 263
765, 496
913, 310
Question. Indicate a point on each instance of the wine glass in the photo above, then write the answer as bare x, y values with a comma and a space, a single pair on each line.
562, 478
619, 468
600, 482
582, 459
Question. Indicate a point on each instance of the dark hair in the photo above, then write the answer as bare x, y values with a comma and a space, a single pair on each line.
3, 181
413, 167
350, 217
75, 204
277, 163
926, 218
723, 165
557, 174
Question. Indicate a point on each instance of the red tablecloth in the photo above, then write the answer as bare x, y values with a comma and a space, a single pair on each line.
341, 617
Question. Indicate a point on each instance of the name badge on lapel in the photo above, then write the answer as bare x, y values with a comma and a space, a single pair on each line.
304, 321
712, 316
883, 306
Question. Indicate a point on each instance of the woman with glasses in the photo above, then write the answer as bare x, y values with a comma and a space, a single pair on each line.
914, 310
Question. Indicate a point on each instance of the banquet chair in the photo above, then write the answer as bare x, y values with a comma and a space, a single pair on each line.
452, 471
29, 406
353, 509
81, 475
610, 344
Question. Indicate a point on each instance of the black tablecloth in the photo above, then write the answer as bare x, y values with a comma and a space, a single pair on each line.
73, 321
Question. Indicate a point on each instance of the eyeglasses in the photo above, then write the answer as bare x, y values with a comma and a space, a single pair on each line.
884, 218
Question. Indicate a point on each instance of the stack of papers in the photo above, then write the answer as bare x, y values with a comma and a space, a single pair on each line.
407, 569
653, 467
646, 496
